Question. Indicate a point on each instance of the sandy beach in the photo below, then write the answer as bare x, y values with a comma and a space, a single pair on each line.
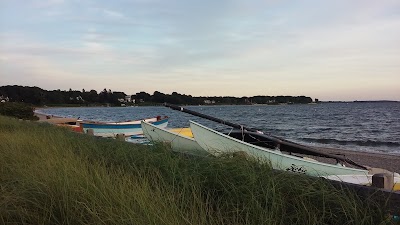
380, 160
41, 117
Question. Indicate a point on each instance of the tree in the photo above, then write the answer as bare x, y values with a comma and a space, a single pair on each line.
92, 97
143, 96
104, 96
159, 97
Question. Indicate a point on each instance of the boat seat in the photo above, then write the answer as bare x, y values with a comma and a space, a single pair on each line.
183, 131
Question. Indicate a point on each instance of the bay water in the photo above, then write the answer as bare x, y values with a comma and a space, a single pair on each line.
361, 126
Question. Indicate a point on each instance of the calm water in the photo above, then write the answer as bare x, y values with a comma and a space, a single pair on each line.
354, 126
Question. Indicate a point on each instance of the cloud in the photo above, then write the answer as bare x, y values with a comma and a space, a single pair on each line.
230, 47
45, 3
113, 14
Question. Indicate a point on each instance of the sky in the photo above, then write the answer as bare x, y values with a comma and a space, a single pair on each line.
341, 50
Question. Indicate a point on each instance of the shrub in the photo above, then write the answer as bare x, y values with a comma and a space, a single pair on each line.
18, 110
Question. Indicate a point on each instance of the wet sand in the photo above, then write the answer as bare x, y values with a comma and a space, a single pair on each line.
389, 162
44, 117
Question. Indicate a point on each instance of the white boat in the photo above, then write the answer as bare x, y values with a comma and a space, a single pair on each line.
217, 143
365, 180
128, 128
180, 139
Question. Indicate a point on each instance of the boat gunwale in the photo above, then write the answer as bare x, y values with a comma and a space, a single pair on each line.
137, 124
274, 152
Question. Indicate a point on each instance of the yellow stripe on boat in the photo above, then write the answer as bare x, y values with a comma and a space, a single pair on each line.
183, 131
396, 187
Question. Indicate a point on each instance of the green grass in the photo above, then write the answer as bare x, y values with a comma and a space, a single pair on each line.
49, 175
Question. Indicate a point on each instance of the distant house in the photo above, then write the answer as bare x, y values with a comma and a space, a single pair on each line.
128, 99
248, 101
4, 99
78, 98
209, 101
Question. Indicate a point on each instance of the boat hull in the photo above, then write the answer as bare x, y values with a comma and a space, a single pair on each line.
365, 180
127, 128
179, 140
217, 143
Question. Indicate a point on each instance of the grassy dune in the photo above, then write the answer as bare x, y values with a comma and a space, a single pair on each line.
49, 175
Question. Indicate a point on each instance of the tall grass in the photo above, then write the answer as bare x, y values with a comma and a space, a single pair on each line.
49, 175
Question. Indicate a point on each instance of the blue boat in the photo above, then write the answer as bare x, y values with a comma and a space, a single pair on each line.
128, 128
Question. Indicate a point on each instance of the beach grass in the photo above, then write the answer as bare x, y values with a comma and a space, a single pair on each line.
49, 175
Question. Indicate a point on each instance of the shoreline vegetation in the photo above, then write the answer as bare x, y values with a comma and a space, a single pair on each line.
41, 97
74, 98
50, 175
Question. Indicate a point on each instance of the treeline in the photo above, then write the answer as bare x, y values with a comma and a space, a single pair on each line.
40, 97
